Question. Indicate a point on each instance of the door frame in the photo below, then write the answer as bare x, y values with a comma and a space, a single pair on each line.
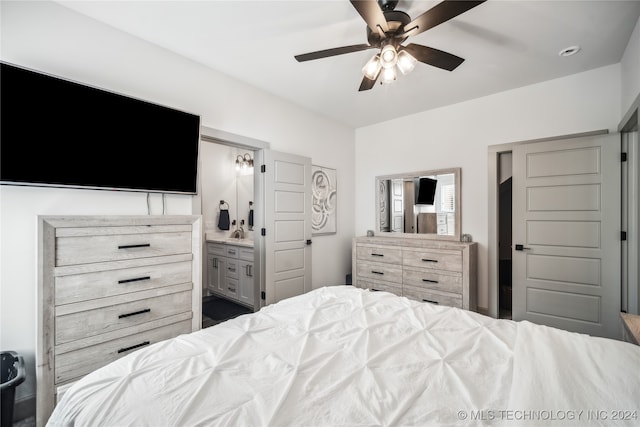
215, 136
494, 152
630, 124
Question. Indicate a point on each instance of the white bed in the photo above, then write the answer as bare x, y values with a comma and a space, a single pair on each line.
345, 356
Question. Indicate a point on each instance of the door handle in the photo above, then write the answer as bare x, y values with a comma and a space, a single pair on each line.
521, 248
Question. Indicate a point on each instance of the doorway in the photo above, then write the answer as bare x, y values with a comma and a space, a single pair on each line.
505, 220
500, 240
223, 184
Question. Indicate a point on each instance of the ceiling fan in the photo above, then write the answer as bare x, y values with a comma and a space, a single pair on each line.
387, 29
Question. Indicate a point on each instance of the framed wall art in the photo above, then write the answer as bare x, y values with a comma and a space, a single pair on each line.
324, 199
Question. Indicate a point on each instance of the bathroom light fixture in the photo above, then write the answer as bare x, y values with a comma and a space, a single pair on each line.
244, 162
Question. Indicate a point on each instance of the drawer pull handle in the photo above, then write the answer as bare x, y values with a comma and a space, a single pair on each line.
230, 268
232, 289
146, 310
430, 301
429, 260
136, 279
142, 245
375, 290
377, 272
377, 254
429, 281
142, 344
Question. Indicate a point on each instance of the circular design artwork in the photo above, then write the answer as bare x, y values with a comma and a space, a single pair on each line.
324, 199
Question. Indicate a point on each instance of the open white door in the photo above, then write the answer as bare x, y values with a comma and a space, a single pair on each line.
566, 234
287, 225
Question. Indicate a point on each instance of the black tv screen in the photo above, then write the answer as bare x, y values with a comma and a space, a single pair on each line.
59, 133
425, 191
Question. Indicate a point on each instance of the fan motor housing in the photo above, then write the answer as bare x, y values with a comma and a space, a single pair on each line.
396, 20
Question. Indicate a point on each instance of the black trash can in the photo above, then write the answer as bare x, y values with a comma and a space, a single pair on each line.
12, 375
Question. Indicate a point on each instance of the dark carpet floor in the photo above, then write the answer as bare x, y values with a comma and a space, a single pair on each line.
220, 309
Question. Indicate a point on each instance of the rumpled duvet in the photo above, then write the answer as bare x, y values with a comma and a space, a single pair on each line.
343, 356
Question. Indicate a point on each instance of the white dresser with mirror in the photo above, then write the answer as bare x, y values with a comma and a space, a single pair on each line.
416, 249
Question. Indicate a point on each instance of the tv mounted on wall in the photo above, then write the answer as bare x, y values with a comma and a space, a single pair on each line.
58, 133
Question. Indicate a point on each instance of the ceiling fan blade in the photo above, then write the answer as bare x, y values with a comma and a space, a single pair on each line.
372, 14
367, 83
438, 14
332, 52
434, 57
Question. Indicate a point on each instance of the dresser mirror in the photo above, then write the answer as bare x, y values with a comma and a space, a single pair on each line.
423, 204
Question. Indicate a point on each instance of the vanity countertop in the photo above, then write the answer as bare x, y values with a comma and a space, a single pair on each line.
229, 240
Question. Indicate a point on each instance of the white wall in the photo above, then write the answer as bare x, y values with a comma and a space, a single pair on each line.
630, 72
48, 37
458, 136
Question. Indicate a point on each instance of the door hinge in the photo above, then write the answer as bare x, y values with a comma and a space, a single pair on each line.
623, 236
263, 231
263, 295
624, 157
263, 168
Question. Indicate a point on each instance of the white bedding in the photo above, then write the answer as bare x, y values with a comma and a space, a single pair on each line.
346, 356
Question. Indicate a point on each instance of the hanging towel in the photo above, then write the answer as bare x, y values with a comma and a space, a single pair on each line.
250, 217
223, 219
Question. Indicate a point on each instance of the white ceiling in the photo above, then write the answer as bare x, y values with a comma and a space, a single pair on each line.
506, 44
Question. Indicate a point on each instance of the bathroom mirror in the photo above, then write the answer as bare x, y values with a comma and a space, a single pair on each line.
226, 175
422, 204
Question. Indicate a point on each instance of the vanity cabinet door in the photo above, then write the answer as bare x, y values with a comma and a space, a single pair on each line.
245, 294
216, 268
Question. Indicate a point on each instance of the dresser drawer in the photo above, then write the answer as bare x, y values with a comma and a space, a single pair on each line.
232, 268
436, 259
100, 248
159, 272
74, 364
432, 296
101, 316
379, 286
232, 288
430, 279
231, 251
380, 271
245, 254
215, 249
379, 254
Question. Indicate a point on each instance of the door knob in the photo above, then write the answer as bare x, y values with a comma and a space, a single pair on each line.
521, 248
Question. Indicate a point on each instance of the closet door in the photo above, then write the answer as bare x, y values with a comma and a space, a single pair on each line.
566, 234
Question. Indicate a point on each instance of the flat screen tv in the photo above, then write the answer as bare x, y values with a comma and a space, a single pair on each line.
58, 133
425, 190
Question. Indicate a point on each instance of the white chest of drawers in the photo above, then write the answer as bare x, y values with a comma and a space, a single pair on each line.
109, 285
439, 272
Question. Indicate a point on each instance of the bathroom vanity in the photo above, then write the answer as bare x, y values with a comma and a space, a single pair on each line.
230, 269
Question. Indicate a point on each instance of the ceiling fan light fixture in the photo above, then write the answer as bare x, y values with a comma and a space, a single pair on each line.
372, 68
388, 75
406, 62
388, 56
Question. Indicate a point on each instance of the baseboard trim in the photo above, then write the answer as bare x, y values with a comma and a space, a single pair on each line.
24, 408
